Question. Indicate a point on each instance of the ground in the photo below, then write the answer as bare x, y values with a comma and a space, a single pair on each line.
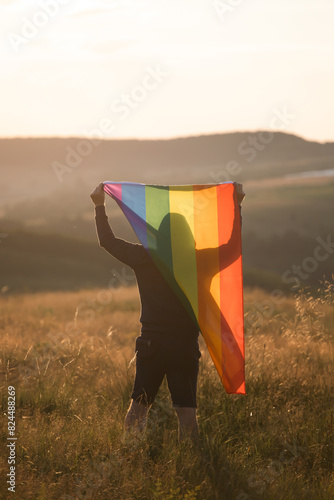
69, 358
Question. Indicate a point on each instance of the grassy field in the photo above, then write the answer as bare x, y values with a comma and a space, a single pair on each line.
68, 356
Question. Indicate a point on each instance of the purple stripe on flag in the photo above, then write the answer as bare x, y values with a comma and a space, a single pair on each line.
114, 190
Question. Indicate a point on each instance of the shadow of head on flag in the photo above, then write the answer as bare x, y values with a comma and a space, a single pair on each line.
193, 235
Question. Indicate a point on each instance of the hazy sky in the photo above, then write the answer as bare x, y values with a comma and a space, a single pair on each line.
162, 68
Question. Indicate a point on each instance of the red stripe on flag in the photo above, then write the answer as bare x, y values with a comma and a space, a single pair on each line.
231, 300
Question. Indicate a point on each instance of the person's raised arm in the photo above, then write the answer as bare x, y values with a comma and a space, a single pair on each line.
105, 234
126, 252
98, 196
230, 251
240, 194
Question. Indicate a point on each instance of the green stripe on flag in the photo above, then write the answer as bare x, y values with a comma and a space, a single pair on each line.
157, 210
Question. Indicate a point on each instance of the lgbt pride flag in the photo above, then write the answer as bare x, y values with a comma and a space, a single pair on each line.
193, 234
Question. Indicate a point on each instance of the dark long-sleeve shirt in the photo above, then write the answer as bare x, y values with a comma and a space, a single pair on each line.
161, 309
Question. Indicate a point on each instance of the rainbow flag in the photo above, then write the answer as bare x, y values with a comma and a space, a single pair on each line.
193, 234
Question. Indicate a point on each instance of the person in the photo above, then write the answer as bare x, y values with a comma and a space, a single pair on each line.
168, 343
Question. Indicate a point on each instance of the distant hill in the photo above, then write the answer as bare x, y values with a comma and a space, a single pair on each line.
204, 150
28, 165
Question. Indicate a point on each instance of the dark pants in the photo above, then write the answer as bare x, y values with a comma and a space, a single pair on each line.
176, 357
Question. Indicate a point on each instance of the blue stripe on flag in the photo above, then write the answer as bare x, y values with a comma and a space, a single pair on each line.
134, 207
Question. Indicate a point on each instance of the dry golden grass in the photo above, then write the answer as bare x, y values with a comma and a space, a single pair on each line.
68, 355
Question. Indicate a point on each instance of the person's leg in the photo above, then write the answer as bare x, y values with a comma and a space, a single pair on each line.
136, 417
188, 427
182, 375
149, 375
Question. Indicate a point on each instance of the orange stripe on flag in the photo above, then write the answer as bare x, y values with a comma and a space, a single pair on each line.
207, 258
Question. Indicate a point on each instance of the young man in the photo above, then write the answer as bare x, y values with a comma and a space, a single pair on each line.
168, 344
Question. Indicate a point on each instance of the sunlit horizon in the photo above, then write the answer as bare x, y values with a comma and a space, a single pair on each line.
166, 138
